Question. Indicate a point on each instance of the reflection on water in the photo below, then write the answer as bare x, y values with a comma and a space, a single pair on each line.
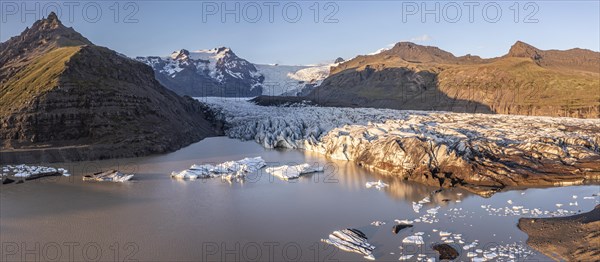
158, 218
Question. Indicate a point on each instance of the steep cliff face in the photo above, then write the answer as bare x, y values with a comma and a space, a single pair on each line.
526, 81
90, 97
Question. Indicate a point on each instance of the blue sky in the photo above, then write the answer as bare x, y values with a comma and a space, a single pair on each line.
355, 27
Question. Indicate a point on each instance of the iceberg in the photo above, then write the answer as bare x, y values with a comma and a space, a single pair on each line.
286, 172
351, 240
227, 170
414, 239
32, 172
378, 185
108, 176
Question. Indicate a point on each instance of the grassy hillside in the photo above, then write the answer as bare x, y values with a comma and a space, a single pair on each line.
519, 86
39, 76
527, 81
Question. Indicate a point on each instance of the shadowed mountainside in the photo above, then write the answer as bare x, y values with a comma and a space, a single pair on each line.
65, 96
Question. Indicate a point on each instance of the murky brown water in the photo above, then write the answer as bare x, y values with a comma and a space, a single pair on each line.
156, 218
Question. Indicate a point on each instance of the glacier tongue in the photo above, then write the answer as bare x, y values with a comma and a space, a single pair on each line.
480, 152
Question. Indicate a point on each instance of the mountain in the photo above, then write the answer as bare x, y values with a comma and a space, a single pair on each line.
64, 98
220, 72
526, 81
215, 72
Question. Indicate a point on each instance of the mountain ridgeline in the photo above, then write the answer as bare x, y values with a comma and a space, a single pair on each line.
64, 98
220, 72
526, 81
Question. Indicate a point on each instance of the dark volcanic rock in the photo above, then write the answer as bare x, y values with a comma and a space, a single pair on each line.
446, 251
397, 228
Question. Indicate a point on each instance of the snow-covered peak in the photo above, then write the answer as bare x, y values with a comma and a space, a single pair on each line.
381, 50
214, 54
180, 55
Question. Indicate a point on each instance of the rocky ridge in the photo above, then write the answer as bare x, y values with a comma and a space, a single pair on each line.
67, 99
526, 81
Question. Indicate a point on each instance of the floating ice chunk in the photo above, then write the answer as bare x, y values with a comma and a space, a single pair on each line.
417, 207
351, 240
559, 205
490, 255
405, 257
31, 172
286, 172
433, 210
588, 197
414, 239
574, 196
471, 254
377, 223
445, 234
227, 170
509, 201
108, 176
573, 204
425, 200
378, 185
405, 221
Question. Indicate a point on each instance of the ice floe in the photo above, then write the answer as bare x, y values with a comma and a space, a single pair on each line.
31, 172
227, 170
416, 239
351, 240
108, 176
286, 172
378, 185
377, 223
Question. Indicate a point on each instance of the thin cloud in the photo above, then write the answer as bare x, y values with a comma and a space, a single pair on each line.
421, 38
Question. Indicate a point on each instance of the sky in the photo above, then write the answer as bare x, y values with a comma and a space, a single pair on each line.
295, 33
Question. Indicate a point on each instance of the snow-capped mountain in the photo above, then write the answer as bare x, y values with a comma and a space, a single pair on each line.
214, 72
220, 72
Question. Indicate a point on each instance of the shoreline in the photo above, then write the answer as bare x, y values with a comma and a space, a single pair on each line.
572, 238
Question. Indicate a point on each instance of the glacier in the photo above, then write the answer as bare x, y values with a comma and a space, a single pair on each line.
479, 152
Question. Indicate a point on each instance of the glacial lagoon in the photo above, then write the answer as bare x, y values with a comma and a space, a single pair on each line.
263, 218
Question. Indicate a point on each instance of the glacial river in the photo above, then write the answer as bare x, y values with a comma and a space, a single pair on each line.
157, 218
